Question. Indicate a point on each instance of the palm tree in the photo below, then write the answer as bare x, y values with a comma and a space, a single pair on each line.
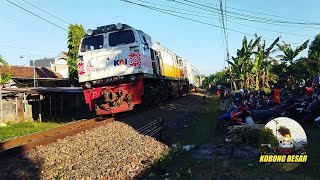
289, 56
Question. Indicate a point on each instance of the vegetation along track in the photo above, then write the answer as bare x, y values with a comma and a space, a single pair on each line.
28, 142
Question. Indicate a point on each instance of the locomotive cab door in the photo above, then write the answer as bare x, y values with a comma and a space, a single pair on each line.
155, 62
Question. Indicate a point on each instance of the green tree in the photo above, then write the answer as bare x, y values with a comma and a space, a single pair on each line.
266, 136
242, 64
262, 65
6, 74
289, 56
314, 52
75, 34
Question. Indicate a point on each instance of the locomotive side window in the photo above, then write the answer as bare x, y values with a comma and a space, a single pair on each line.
121, 38
181, 62
92, 43
152, 54
144, 39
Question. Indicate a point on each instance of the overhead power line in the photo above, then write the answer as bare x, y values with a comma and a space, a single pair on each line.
250, 25
32, 26
37, 15
45, 12
190, 19
153, 8
176, 8
265, 14
248, 15
221, 24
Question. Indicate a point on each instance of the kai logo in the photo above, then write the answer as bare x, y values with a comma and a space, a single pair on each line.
120, 62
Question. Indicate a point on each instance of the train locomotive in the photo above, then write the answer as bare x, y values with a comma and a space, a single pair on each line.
286, 145
120, 67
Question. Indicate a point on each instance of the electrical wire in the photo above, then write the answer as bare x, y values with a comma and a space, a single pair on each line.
31, 26
190, 19
46, 12
272, 15
240, 16
37, 15
255, 17
176, 8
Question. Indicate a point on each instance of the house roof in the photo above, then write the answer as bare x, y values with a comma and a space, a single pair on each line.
46, 62
27, 72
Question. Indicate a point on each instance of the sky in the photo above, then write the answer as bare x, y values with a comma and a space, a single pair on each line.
24, 34
297, 132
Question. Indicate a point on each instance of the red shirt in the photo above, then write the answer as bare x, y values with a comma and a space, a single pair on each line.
309, 91
276, 96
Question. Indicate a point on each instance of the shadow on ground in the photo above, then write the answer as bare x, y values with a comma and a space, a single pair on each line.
181, 164
19, 167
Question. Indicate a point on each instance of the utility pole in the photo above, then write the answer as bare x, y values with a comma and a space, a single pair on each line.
34, 70
230, 72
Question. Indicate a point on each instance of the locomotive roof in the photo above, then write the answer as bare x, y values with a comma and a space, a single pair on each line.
108, 28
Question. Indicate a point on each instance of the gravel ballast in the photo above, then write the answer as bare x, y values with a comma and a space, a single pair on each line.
112, 151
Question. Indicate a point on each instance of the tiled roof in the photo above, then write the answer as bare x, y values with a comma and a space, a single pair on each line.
27, 72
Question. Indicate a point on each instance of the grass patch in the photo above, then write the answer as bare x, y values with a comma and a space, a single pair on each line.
179, 164
20, 129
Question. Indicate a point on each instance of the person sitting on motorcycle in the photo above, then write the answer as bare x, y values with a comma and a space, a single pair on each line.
308, 91
275, 94
261, 94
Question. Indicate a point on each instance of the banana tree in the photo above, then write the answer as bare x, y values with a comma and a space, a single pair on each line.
242, 63
289, 56
261, 67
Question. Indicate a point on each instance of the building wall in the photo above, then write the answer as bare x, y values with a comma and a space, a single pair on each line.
52, 106
61, 69
14, 110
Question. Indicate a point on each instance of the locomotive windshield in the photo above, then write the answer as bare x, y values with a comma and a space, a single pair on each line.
92, 43
121, 37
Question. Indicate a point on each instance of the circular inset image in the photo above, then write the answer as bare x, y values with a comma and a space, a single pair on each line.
283, 145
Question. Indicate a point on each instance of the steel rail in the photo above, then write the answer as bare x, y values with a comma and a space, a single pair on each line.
25, 143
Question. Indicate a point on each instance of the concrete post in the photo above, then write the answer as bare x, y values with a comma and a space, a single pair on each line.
40, 120
50, 108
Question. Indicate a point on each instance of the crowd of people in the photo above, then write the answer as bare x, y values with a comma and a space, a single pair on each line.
308, 91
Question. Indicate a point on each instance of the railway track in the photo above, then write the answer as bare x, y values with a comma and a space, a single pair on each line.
25, 143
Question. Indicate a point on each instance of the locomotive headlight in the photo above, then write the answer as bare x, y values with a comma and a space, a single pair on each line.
89, 32
119, 26
87, 85
132, 78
